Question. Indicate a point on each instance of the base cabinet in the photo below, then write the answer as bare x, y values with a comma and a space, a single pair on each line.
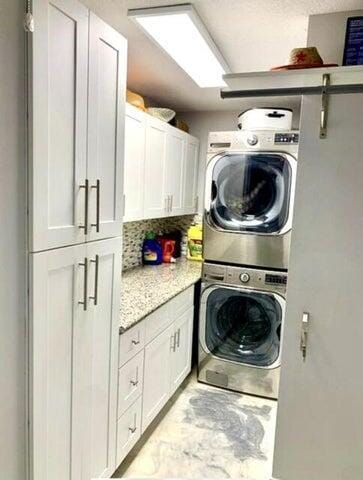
157, 376
73, 361
167, 362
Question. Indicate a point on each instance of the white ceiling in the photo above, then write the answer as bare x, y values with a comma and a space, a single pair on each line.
251, 34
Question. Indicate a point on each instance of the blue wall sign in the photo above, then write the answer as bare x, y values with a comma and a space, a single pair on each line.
353, 48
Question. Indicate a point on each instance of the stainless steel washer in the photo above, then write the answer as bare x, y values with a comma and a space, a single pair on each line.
249, 197
241, 321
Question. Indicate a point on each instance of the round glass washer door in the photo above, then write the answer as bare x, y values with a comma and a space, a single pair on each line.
244, 326
250, 192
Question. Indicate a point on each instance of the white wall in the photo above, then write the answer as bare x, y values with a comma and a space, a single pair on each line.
12, 241
327, 33
201, 123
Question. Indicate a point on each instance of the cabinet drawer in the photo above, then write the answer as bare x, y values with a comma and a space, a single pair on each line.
130, 381
131, 342
128, 430
181, 303
156, 322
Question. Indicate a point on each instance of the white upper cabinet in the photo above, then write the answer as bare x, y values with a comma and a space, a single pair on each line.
161, 168
77, 86
106, 117
190, 176
155, 200
134, 163
59, 57
176, 143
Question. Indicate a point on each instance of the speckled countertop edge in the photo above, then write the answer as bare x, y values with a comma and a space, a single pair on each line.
146, 288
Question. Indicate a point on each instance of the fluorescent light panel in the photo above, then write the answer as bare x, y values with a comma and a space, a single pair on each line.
180, 32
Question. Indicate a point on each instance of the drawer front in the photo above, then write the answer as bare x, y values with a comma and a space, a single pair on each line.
130, 382
181, 303
128, 430
156, 322
131, 342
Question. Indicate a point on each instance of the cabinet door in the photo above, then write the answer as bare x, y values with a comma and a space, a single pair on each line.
156, 375
106, 119
191, 166
58, 124
181, 358
58, 325
102, 356
174, 169
319, 420
134, 163
155, 201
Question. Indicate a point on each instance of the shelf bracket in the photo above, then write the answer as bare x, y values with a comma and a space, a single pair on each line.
324, 105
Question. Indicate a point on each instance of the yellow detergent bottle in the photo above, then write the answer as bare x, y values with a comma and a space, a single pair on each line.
195, 243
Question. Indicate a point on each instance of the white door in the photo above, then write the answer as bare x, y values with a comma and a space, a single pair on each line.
181, 358
102, 365
57, 358
191, 166
58, 122
174, 169
135, 129
157, 375
320, 416
155, 198
106, 117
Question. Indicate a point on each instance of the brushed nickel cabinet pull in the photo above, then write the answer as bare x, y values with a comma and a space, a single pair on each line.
135, 382
85, 225
83, 302
304, 334
96, 261
98, 192
178, 338
134, 428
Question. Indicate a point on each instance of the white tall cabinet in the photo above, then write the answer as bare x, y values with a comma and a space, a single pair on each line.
76, 96
320, 416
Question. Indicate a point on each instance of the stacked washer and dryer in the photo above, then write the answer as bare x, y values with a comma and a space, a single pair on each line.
250, 180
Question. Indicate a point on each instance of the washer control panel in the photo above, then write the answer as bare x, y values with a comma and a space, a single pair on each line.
275, 279
286, 138
244, 277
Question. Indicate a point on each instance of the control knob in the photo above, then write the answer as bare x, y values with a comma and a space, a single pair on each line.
244, 277
252, 140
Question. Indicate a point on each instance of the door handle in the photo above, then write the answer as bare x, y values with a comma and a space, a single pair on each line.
304, 334
178, 338
135, 382
134, 428
85, 225
96, 261
98, 192
83, 302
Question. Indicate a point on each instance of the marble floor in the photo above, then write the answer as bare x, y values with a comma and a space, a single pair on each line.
207, 433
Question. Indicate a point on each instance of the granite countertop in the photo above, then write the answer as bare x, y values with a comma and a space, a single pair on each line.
146, 288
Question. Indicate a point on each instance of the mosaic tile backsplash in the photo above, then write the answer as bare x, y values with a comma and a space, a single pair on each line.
134, 234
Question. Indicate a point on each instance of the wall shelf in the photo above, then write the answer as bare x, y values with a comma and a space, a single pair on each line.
294, 82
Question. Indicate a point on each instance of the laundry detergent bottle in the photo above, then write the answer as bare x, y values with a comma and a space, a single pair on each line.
152, 253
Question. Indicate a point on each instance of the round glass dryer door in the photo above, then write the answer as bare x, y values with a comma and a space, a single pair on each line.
251, 192
244, 326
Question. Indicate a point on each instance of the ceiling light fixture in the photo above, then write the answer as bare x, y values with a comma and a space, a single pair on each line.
180, 32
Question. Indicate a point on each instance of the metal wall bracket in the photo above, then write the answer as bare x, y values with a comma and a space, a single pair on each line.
324, 105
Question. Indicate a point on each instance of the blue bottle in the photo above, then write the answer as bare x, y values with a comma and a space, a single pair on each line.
152, 253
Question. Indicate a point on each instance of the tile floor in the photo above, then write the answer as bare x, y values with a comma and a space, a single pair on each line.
206, 432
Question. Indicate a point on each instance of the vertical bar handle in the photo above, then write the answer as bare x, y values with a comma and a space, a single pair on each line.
83, 302
98, 192
85, 225
96, 261
304, 334
178, 338
134, 428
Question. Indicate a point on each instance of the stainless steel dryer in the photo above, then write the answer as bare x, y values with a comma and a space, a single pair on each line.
241, 321
250, 182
